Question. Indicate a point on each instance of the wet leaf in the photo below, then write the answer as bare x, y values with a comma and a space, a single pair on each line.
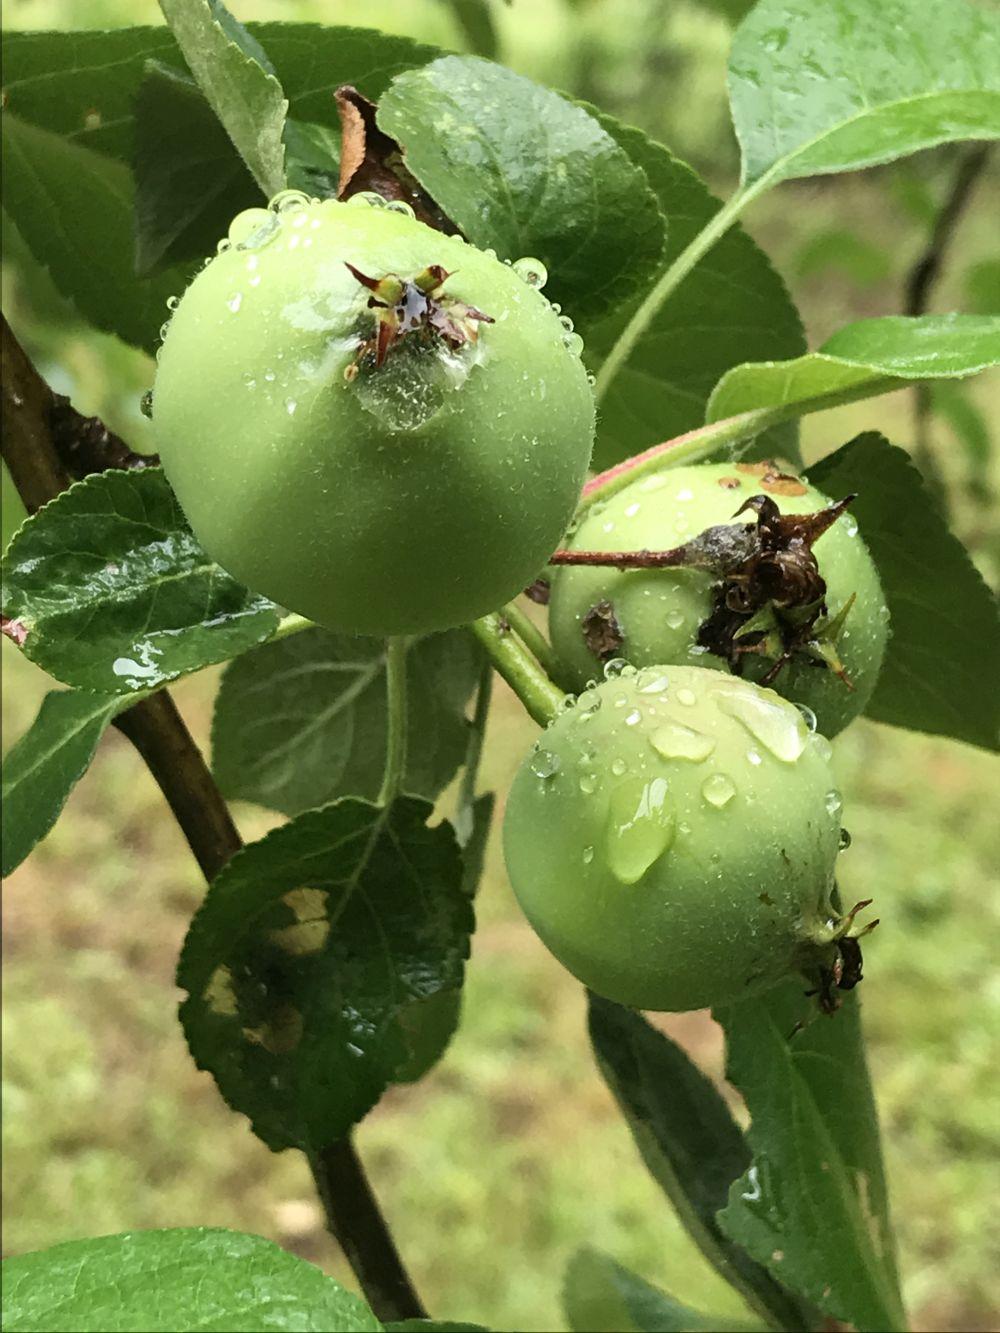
848, 84
600, 1293
188, 179
525, 172
689, 1141
114, 593
311, 963
945, 639
733, 305
238, 82
862, 359
302, 721
196, 1278
74, 209
41, 769
69, 129
812, 1208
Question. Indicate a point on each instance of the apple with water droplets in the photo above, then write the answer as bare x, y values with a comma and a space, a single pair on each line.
672, 838
650, 615
372, 423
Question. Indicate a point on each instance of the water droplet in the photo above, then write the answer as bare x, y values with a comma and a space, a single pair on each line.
286, 201
588, 783
367, 199
269, 376
164, 329
253, 228
573, 344
566, 322
651, 682
354, 1051
544, 764
845, 840
235, 301
588, 855
850, 525
400, 206
822, 748
675, 741
146, 403
772, 721
640, 828
652, 483
675, 619
633, 718
686, 697
290, 406
685, 494
808, 716
591, 379
755, 757
532, 271
618, 767
718, 790
173, 302
616, 667
589, 702
633, 509
834, 803
224, 245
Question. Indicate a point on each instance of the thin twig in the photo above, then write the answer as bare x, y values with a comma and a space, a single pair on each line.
157, 730
920, 283
677, 555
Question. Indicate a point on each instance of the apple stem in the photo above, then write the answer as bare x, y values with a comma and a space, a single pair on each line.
396, 709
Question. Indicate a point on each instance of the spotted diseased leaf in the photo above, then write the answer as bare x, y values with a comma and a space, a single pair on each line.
41, 769
302, 721
848, 83
523, 171
813, 1207
314, 959
196, 1278
945, 633
730, 308
108, 590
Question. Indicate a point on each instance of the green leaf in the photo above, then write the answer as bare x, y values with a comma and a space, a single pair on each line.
474, 845
945, 640
246, 96
863, 359
982, 286
688, 1140
813, 1206
474, 19
967, 423
600, 1293
40, 771
733, 305
313, 158
189, 182
108, 589
74, 209
521, 170
193, 1278
70, 190
302, 721
83, 85
850, 83
309, 964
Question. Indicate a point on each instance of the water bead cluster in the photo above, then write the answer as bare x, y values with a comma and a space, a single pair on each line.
641, 823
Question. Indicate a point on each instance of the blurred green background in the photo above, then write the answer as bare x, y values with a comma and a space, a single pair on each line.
511, 1153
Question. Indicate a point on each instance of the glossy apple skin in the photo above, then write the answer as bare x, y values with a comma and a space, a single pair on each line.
414, 498
659, 611
734, 820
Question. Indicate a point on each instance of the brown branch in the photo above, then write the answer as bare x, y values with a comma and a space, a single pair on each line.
677, 555
45, 444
